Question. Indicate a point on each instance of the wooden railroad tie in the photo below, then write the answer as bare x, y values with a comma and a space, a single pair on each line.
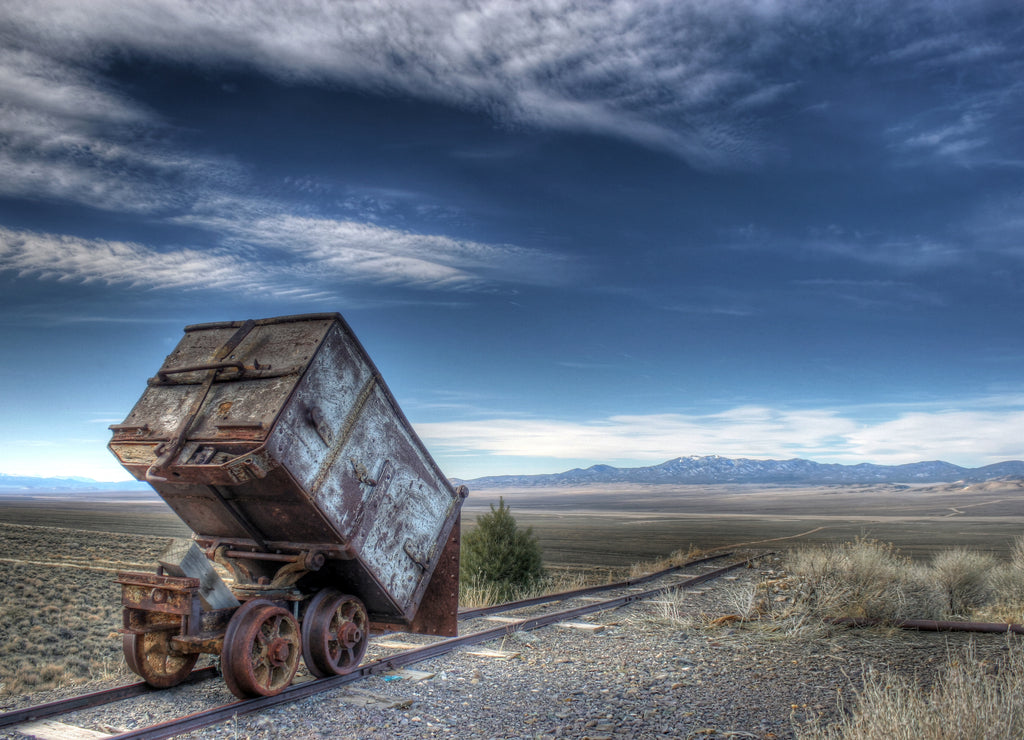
53, 730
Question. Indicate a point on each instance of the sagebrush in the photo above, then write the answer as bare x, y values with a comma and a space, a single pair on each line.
971, 700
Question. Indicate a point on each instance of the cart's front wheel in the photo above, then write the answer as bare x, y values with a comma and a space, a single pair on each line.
261, 650
335, 633
151, 656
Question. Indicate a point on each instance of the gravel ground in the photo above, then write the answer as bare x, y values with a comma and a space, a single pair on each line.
637, 677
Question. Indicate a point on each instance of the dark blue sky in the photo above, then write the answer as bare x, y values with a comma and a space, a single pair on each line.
567, 233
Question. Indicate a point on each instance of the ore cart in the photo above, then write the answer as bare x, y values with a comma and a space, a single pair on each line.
277, 442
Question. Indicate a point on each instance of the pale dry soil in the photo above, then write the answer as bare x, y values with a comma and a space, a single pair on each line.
639, 677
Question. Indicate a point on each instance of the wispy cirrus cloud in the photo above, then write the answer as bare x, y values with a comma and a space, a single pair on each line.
976, 121
657, 74
905, 252
294, 257
872, 294
678, 75
699, 80
62, 257
66, 134
970, 435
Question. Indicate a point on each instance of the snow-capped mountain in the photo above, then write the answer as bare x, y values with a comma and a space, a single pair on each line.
715, 469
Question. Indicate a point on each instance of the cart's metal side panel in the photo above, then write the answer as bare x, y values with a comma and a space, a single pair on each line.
311, 435
400, 541
280, 436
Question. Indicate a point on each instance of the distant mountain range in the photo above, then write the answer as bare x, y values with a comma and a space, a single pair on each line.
714, 469
708, 469
27, 484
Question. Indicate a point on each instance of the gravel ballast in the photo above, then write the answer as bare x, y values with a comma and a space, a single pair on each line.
637, 677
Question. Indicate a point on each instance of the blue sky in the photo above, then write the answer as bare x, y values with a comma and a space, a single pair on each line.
567, 233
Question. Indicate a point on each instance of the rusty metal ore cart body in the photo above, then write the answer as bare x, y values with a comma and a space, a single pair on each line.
279, 444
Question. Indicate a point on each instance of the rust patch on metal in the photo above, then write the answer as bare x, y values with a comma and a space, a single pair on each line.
279, 444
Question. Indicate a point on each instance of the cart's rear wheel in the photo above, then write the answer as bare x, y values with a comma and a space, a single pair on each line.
151, 656
335, 633
261, 650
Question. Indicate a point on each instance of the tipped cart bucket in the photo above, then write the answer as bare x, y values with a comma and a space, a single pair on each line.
278, 443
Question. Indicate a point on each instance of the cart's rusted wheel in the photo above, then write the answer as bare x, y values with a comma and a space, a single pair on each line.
335, 633
151, 656
261, 650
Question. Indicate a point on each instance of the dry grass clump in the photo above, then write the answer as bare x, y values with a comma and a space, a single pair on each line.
972, 700
866, 579
862, 579
962, 578
871, 580
475, 593
1006, 582
677, 558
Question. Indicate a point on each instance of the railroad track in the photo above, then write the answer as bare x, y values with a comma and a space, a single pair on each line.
297, 691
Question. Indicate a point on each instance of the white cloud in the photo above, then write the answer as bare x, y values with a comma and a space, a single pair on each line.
32, 81
986, 435
64, 134
284, 255
61, 257
969, 437
662, 73
361, 251
684, 76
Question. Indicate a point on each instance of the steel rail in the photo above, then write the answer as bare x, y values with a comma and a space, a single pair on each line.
119, 693
94, 699
296, 692
587, 591
930, 625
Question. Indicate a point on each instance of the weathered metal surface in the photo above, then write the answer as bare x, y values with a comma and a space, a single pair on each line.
333, 552
335, 633
152, 656
277, 431
183, 558
156, 609
197, 644
261, 650
156, 593
439, 609
209, 638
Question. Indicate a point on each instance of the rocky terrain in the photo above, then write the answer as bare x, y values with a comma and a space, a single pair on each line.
642, 674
